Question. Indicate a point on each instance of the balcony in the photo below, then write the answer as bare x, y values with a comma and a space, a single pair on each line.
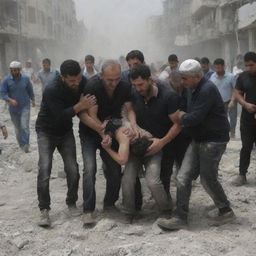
201, 7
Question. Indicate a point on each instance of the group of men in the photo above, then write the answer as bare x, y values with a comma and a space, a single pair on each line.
187, 125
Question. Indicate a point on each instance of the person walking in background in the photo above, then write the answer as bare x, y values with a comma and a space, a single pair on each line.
225, 82
245, 94
17, 90
205, 64
4, 133
89, 69
47, 75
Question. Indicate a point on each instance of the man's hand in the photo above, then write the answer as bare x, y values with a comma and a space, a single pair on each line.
155, 147
251, 108
85, 103
33, 103
106, 141
13, 102
176, 117
4, 132
136, 132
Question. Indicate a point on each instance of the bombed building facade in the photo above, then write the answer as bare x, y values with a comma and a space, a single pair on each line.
213, 28
34, 29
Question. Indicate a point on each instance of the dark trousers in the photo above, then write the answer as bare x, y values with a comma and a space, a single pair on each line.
248, 138
202, 158
67, 148
111, 169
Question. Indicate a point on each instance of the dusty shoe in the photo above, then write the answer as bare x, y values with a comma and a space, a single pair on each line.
222, 219
126, 218
89, 220
44, 219
174, 223
26, 148
239, 180
73, 210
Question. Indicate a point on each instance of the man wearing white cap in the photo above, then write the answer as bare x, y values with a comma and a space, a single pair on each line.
17, 90
207, 123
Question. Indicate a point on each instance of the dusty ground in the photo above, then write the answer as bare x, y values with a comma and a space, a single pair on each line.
20, 235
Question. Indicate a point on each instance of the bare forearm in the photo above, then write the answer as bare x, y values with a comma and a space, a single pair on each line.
172, 133
93, 123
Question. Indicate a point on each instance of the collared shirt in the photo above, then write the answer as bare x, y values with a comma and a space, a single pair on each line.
153, 115
208, 74
225, 85
107, 107
87, 75
47, 77
206, 119
166, 73
20, 90
125, 76
56, 111
246, 83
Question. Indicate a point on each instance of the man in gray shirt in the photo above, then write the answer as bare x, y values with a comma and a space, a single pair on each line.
46, 75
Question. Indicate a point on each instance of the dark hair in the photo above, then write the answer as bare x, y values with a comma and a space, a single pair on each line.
112, 125
250, 56
140, 70
139, 147
89, 58
48, 61
219, 62
172, 57
70, 68
205, 60
135, 54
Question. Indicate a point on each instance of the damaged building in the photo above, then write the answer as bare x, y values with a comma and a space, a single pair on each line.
213, 28
34, 29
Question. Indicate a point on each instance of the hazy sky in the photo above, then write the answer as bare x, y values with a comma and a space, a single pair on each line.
108, 11
116, 26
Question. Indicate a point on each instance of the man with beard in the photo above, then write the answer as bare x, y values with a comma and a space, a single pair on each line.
17, 90
62, 100
153, 105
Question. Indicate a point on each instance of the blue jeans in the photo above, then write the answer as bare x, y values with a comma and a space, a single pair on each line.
152, 166
67, 148
200, 159
20, 121
111, 169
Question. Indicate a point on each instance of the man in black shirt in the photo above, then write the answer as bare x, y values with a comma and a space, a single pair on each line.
153, 106
112, 95
245, 93
209, 128
61, 101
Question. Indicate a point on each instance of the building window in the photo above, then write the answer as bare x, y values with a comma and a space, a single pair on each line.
31, 15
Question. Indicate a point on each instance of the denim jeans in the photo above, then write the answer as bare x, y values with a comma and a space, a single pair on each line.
152, 166
20, 121
248, 138
111, 169
67, 148
202, 159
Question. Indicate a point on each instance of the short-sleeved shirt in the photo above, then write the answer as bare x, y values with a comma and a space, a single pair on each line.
107, 107
47, 78
56, 111
246, 83
153, 115
225, 85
